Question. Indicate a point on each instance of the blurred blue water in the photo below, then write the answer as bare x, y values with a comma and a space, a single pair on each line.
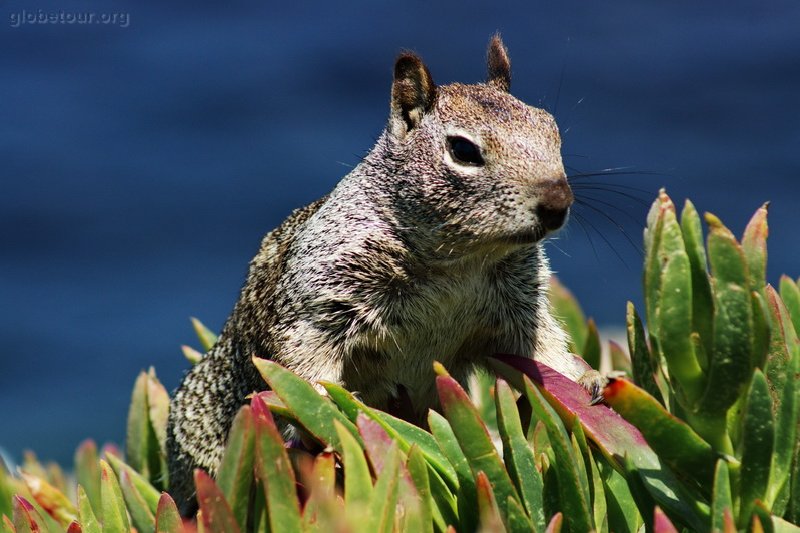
140, 165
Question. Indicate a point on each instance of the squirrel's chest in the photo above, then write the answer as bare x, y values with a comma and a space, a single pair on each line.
458, 320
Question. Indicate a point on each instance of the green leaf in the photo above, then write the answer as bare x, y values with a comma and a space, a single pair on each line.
615, 437
215, 513
86, 515
721, 499
143, 518
673, 319
623, 516
754, 245
115, 516
644, 366
518, 455
26, 518
167, 518
702, 304
572, 482
275, 471
207, 337
489, 512
568, 312
474, 439
418, 470
730, 365
87, 471
619, 359
51, 499
790, 294
144, 490
662, 524
404, 433
782, 376
145, 447
235, 474
671, 438
384, 496
758, 437
315, 412
357, 479
321, 512
468, 497
591, 349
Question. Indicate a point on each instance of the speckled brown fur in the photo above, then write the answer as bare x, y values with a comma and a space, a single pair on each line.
419, 254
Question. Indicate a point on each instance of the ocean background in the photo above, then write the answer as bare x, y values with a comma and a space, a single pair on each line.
142, 160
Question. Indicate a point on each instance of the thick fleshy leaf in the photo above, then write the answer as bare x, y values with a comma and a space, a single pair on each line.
207, 337
615, 437
87, 471
591, 350
758, 437
489, 512
468, 497
673, 324
790, 294
671, 438
357, 479
643, 364
403, 432
754, 245
418, 471
216, 515
567, 311
473, 438
191, 355
782, 376
275, 471
115, 515
573, 485
235, 476
702, 304
383, 504
730, 364
620, 361
518, 455
321, 510
26, 518
51, 499
88, 520
721, 500
144, 520
144, 491
6, 490
554, 526
662, 524
145, 444
315, 412
167, 518
623, 516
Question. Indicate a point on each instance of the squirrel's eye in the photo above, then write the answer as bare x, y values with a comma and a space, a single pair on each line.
464, 151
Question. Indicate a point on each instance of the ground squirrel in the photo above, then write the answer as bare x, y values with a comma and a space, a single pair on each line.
430, 249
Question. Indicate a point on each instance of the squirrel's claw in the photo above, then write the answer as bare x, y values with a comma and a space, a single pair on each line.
594, 382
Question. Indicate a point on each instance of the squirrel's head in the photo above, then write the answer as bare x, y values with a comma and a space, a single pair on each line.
482, 167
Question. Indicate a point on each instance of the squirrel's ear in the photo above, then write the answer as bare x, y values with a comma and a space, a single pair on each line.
498, 64
413, 92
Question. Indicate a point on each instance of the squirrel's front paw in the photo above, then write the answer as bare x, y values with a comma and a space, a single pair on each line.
594, 382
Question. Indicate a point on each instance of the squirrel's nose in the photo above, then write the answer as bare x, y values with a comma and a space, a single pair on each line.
555, 197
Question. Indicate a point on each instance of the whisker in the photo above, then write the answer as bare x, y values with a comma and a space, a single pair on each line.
615, 223
580, 220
